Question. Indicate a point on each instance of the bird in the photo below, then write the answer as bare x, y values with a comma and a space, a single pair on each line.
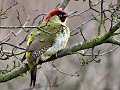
46, 40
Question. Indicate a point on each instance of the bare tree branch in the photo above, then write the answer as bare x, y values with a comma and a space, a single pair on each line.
64, 4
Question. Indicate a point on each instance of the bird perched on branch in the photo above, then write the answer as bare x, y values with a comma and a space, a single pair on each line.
46, 40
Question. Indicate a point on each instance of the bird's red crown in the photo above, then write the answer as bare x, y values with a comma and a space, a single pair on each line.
54, 12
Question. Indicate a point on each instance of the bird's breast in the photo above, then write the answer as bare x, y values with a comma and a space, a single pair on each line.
59, 44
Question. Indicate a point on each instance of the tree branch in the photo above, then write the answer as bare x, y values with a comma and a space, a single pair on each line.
113, 41
64, 4
87, 44
18, 71
67, 51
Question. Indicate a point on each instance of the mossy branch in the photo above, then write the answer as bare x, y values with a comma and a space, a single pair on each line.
67, 51
18, 71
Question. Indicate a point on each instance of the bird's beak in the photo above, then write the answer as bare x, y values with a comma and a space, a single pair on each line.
66, 15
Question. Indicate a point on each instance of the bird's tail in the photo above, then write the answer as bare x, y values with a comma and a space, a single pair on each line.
24, 57
33, 73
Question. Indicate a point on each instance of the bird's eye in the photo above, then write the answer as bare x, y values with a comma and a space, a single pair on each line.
60, 15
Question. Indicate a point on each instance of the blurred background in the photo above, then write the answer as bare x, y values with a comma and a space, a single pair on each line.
92, 76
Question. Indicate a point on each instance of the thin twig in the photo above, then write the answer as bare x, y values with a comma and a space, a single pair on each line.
62, 71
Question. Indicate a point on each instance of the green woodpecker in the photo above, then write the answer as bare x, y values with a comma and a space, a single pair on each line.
50, 37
